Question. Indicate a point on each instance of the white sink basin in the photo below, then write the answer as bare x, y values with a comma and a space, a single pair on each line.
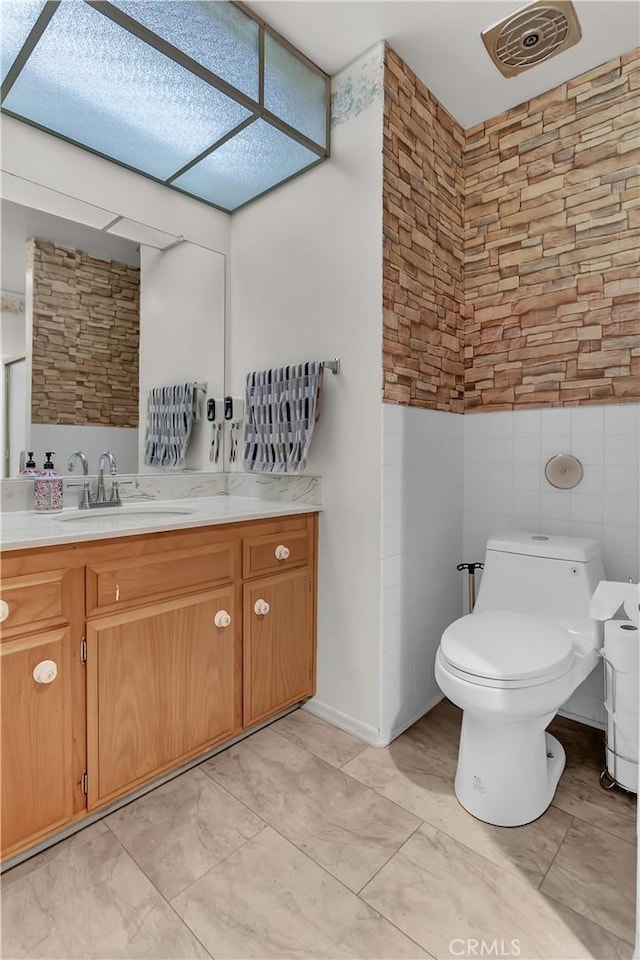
124, 514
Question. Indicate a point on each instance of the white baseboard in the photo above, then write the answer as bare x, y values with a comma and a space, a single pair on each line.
343, 721
363, 731
398, 728
589, 721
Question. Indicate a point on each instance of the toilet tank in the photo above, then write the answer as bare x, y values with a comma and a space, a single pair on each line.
543, 575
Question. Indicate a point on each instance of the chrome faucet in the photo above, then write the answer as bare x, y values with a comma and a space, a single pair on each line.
101, 496
88, 501
78, 455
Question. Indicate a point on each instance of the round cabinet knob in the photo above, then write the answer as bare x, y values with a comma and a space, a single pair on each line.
45, 672
222, 619
261, 607
282, 552
4, 610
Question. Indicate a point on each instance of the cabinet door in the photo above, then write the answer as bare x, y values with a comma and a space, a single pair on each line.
279, 648
37, 775
160, 688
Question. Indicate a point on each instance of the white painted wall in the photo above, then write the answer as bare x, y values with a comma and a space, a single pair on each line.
505, 489
182, 304
422, 491
306, 283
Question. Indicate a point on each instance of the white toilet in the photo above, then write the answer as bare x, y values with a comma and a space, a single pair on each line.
512, 663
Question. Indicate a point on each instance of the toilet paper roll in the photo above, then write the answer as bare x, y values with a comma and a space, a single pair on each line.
621, 646
622, 734
625, 693
610, 595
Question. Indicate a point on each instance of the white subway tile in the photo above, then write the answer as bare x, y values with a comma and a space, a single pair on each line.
500, 449
552, 445
527, 476
621, 538
526, 450
620, 479
556, 422
527, 423
586, 507
622, 450
555, 504
588, 450
500, 424
620, 508
392, 444
526, 503
622, 419
587, 421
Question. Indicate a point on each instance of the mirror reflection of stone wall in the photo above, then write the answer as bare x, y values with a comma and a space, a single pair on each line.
81, 328
86, 335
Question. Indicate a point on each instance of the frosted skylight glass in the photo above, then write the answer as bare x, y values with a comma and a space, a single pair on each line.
92, 81
17, 17
294, 92
255, 159
217, 35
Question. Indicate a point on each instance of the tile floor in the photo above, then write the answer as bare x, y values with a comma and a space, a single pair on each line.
301, 841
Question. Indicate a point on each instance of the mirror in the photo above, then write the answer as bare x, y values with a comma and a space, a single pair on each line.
91, 320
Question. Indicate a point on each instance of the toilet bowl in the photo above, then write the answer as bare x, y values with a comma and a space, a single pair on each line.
512, 663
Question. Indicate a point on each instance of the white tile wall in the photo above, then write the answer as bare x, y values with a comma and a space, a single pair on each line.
422, 492
505, 489
505, 486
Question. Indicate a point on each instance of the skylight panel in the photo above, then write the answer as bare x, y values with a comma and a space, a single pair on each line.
93, 82
216, 35
256, 159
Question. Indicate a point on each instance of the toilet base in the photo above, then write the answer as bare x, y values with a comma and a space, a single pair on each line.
507, 771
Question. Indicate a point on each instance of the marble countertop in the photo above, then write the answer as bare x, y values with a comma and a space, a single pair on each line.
26, 529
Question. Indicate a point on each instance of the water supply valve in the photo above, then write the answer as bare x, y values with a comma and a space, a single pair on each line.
471, 570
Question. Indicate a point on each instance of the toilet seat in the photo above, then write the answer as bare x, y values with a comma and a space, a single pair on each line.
500, 648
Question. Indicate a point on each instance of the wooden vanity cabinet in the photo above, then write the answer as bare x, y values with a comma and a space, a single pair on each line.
42, 739
160, 656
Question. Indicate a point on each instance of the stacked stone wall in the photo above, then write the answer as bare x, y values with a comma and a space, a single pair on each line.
86, 333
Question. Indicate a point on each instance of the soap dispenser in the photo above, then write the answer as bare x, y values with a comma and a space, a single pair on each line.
47, 488
30, 469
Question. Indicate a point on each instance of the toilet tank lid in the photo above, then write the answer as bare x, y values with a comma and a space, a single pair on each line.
545, 545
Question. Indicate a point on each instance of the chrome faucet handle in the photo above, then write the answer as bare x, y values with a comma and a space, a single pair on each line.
85, 501
115, 490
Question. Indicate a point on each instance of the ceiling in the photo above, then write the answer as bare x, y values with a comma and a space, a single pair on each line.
440, 41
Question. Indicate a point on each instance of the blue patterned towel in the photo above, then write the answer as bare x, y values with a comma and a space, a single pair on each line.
281, 411
171, 412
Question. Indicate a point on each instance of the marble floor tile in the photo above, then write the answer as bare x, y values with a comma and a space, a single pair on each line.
92, 902
594, 874
341, 824
179, 831
580, 793
441, 894
419, 777
319, 737
268, 900
51, 853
